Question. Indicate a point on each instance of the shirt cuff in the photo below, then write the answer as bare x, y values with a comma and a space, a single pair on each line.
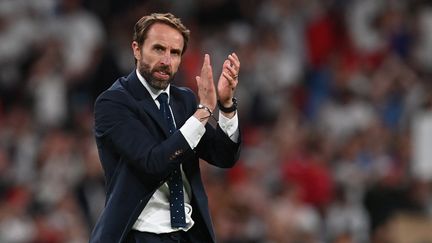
230, 126
192, 131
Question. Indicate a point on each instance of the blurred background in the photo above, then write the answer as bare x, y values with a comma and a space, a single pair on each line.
335, 103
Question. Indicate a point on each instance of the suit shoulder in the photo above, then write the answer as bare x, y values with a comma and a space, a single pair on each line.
116, 92
182, 91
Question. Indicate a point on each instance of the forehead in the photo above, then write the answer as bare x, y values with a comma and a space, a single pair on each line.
164, 34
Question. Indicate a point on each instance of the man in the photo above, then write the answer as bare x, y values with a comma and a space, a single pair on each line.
151, 134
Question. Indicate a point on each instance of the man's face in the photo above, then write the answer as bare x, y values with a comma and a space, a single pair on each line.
160, 55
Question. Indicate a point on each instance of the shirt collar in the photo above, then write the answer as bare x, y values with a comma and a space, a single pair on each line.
153, 92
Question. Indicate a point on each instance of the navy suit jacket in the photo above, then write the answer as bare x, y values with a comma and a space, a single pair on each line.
138, 154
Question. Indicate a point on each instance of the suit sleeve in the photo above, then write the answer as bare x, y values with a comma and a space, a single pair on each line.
218, 149
134, 139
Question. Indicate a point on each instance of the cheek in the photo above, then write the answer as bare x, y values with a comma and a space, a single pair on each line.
176, 65
148, 61
144, 66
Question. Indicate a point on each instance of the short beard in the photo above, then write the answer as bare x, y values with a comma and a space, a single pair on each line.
145, 71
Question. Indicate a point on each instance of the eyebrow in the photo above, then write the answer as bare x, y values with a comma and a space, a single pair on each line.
175, 50
159, 46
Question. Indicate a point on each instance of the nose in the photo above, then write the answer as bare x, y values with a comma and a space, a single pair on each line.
166, 59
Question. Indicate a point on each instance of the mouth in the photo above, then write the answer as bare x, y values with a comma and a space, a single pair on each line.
162, 75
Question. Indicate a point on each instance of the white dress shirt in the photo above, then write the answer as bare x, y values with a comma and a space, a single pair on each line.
155, 217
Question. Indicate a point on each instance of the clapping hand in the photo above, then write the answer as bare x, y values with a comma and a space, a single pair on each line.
228, 79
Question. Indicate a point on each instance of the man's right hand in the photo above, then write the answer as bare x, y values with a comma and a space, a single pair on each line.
206, 87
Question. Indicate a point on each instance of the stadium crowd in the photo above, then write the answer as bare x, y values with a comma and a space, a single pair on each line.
335, 107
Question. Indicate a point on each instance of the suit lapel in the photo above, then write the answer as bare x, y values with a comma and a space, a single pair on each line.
144, 100
178, 110
150, 108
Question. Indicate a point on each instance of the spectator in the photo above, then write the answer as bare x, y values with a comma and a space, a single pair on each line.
351, 78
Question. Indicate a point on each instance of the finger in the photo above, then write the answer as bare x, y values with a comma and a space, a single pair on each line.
206, 70
235, 56
226, 65
209, 74
232, 71
198, 82
207, 59
230, 79
234, 60
206, 62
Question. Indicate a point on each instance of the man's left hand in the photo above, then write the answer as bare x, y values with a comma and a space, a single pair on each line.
228, 80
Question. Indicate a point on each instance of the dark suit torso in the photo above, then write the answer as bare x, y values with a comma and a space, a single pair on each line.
137, 155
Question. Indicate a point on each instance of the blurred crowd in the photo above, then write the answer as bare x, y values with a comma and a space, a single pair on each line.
335, 105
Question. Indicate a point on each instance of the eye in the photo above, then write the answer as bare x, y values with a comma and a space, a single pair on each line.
176, 52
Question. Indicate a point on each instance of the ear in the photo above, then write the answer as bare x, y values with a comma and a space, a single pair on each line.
136, 50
